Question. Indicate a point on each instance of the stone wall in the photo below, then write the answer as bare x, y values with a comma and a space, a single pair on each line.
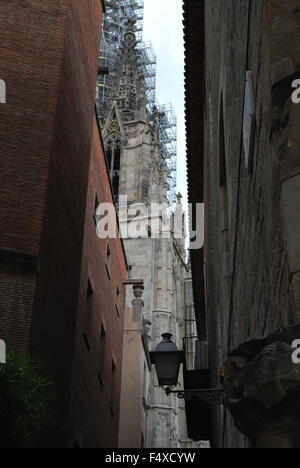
252, 229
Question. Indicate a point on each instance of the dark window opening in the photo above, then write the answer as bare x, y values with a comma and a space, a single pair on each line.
88, 315
118, 301
109, 158
113, 152
117, 161
95, 209
116, 186
108, 261
100, 380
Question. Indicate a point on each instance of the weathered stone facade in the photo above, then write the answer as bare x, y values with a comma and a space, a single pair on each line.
262, 385
252, 252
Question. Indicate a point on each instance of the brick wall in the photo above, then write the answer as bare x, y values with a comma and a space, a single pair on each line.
32, 42
17, 287
57, 295
50, 148
95, 408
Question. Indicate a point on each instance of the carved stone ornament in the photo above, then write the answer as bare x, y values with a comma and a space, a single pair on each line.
138, 291
262, 390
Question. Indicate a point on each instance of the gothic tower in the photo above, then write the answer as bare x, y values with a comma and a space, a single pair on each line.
139, 172
131, 133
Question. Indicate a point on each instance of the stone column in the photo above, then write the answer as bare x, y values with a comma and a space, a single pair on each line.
132, 392
138, 303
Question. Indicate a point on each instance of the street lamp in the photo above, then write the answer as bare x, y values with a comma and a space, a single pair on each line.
167, 360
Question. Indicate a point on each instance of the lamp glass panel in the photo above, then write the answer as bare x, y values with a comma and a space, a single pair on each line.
167, 367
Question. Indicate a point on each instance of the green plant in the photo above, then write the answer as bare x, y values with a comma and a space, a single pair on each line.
24, 400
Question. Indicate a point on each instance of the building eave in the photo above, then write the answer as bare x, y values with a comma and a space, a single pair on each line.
194, 40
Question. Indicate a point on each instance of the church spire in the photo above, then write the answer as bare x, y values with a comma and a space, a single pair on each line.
132, 133
128, 90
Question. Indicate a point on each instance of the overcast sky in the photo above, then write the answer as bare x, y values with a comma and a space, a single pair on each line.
163, 27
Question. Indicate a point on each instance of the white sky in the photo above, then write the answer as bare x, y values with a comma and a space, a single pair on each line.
163, 27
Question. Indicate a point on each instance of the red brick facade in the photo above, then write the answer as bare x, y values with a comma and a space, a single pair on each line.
32, 45
100, 359
50, 150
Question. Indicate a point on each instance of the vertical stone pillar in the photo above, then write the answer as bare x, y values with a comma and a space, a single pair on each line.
132, 391
138, 303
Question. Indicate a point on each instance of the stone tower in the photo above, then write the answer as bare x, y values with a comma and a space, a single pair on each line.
139, 175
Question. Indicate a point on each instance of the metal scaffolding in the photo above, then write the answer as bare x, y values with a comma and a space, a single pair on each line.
115, 19
147, 67
114, 25
168, 142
